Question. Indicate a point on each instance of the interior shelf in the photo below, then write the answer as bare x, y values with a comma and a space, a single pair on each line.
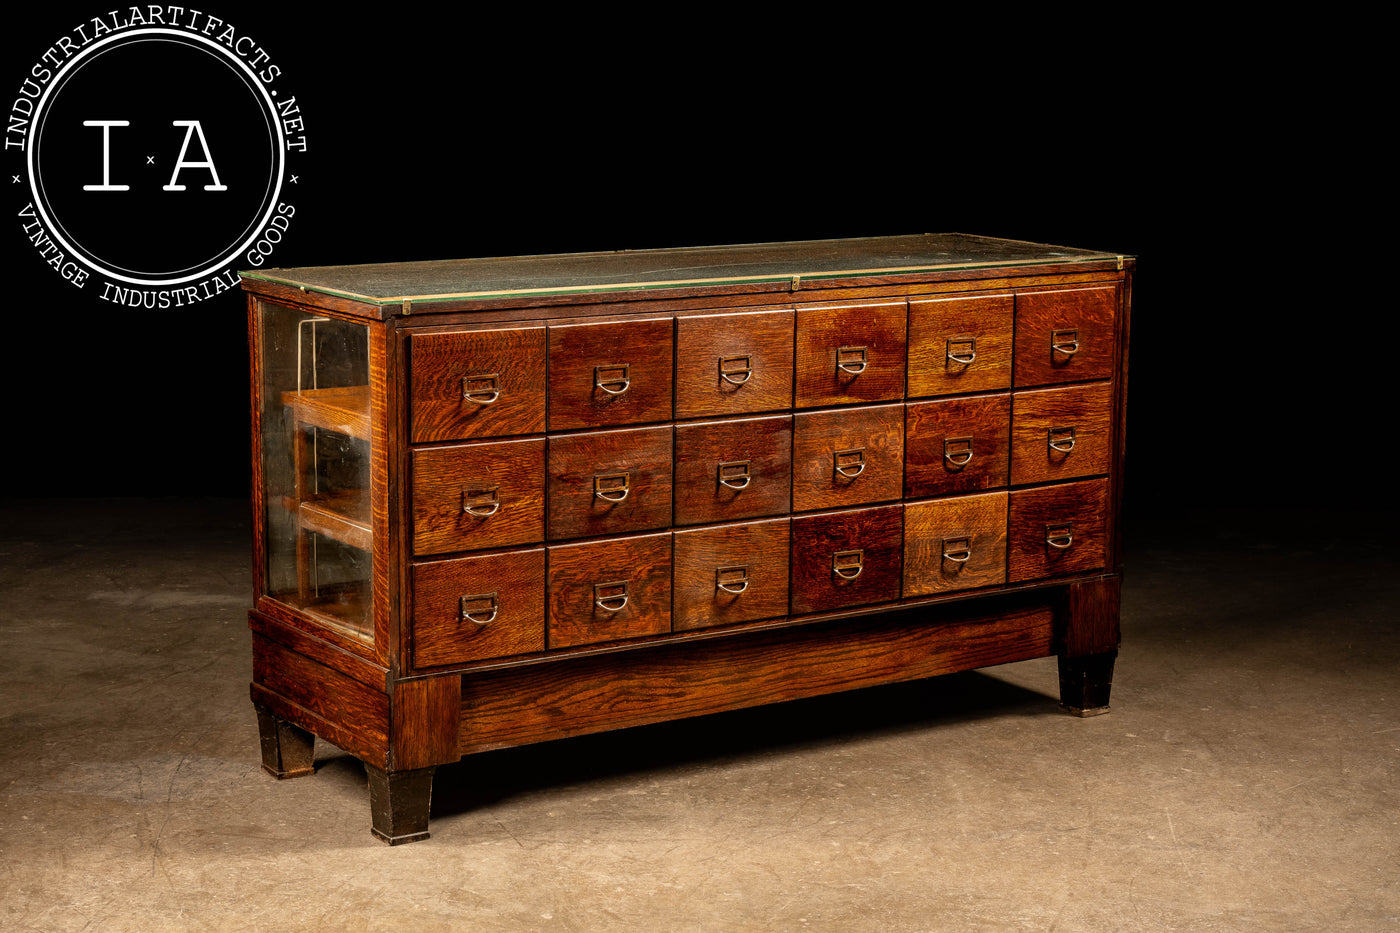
343, 516
343, 409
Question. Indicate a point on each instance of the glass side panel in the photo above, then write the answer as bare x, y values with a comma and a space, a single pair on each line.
315, 465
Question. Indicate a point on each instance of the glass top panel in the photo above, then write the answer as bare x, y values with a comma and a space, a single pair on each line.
623, 269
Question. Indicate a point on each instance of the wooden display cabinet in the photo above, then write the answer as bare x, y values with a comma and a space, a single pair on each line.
502, 501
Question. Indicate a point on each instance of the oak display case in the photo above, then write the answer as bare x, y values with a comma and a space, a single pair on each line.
502, 501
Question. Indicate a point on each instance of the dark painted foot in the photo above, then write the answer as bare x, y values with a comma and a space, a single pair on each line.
399, 802
288, 751
1086, 682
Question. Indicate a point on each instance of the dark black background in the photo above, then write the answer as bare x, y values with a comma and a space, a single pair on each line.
443, 136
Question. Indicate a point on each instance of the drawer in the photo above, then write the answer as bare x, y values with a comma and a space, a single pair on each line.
1057, 530
1065, 335
846, 558
608, 482
1061, 433
730, 470
616, 372
956, 445
476, 383
960, 345
473, 608
609, 590
954, 544
482, 495
730, 573
850, 353
847, 457
733, 364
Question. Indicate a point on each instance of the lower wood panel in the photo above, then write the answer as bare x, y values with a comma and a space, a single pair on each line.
521, 705
321, 700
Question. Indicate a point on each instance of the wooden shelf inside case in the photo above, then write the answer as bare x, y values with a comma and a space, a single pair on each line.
344, 409
343, 516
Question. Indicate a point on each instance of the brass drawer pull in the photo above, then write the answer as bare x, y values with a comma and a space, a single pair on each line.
1065, 340
848, 564
481, 501
1059, 534
732, 579
731, 366
470, 611
1060, 439
849, 463
610, 602
481, 394
957, 452
852, 360
613, 378
961, 350
734, 474
612, 487
958, 550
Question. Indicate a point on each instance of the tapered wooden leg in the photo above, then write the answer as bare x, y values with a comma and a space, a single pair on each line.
399, 802
288, 751
1085, 683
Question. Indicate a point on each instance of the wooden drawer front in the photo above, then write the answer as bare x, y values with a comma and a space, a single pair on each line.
954, 544
471, 608
960, 345
851, 353
729, 574
731, 364
1057, 530
847, 457
956, 445
476, 383
846, 558
605, 482
609, 590
617, 372
1065, 335
1061, 433
728, 470
483, 495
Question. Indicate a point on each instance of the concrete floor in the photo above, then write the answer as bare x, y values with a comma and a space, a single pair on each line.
1247, 779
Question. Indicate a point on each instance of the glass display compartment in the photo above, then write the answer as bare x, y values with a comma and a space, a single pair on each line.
315, 465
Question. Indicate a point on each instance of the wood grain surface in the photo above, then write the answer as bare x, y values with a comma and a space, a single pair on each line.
438, 364
701, 447
979, 325
703, 341
956, 445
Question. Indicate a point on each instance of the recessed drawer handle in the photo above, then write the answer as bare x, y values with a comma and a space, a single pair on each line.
1060, 439
732, 579
1065, 340
481, 501
958, 550
732, 366
734, 474
852, 360
849, 463
957, 451
962, 350
613, 378
470, 611
610, 602
612, 487
485, 394
1059, 534
848, 564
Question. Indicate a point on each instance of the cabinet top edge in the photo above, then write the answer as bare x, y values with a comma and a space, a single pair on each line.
758, 264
